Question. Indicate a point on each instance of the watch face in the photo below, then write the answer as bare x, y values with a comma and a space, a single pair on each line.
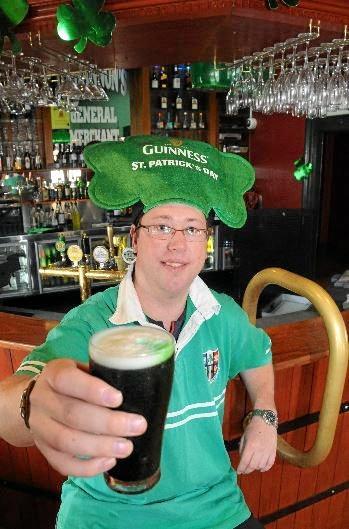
270, 416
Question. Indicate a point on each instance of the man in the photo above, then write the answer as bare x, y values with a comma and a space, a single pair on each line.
70, 411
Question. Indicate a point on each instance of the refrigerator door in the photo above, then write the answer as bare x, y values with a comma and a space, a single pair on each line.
15, 277
47, 254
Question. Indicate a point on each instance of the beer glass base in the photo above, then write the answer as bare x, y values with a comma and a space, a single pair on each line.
132, 487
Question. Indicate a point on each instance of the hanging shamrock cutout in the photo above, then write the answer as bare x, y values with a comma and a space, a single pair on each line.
302, 170
273, 4
12, 12
85, 21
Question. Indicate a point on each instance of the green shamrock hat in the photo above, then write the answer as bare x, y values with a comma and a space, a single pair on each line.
157, 170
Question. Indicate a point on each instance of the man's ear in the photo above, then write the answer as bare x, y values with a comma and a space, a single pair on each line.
133, 235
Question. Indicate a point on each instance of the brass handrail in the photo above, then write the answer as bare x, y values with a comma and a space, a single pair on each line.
338, 357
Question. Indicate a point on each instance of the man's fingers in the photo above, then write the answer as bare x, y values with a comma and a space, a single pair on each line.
65, 378
91, 418
244, 462
72, 442
70, 465
270, 462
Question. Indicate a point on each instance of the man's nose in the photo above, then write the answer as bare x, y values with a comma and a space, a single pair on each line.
177, 240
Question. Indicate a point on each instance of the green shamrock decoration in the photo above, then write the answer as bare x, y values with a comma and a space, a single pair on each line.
12, 13
273, 4
157, 170
85, 22
302, 170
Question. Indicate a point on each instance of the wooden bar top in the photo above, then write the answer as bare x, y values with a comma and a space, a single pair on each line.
296, 343
23, 332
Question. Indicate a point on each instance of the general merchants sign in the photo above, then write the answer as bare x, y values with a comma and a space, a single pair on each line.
103, 120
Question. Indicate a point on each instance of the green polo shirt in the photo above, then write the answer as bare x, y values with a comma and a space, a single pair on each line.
198, 488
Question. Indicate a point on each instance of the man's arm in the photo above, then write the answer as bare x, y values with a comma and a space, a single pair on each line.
72, 413
258, 443
12, 427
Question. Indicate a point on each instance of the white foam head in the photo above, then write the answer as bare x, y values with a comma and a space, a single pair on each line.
135, 347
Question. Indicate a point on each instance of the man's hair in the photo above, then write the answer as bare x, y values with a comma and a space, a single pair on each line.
138, 212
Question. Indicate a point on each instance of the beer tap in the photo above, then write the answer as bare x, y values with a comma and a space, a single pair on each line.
81, 268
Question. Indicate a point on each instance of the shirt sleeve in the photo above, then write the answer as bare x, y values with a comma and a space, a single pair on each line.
250, 346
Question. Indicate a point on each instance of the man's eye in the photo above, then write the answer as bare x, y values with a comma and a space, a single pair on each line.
191, 230
162, 228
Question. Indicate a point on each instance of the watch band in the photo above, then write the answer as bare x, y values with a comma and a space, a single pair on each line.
269, 417
25, 401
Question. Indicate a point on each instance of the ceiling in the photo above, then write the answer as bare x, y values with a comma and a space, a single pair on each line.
224, 37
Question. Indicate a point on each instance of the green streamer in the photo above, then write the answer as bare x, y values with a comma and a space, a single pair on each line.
85, 21
302, 170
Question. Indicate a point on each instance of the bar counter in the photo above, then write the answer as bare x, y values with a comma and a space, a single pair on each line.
286, 497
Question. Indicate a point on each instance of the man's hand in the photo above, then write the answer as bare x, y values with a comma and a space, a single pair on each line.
71, 416
257, 447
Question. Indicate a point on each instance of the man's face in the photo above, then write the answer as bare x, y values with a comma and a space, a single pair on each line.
170, 265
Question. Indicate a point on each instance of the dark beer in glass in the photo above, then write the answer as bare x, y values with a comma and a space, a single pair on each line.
139, 362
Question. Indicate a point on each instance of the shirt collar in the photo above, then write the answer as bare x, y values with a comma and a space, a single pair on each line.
129, 310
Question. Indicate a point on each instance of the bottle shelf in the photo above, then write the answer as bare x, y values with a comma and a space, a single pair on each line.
37, 202
41, 171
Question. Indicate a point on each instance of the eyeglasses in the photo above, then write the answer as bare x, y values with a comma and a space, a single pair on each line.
163, 232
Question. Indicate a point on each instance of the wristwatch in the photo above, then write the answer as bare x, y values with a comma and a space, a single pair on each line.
268, 416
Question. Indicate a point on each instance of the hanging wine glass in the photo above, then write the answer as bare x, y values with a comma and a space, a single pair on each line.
268, 97
337, 86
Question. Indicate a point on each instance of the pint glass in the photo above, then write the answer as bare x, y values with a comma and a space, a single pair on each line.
139, 362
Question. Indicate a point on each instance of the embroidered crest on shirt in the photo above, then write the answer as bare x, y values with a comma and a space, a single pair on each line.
211, 363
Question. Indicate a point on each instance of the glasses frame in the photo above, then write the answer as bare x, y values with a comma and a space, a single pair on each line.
173, 231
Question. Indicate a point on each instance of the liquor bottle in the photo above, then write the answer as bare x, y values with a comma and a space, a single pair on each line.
177, 124
66, 155
27, 160
60, 190
81, 159
45, 192
194, 103
52, 192
163, 102
160, 121
169, 122
17, 158
76, 219
55, 153
32, 217
73, 190
179, 102
67, 191
163, 77
8, 160
53, 219
155, 78
2, 164
60, 216
73, 158
60, 156
187, 77
68, 217
176, 80
201, 123
192, 121
185, 124
38, 163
